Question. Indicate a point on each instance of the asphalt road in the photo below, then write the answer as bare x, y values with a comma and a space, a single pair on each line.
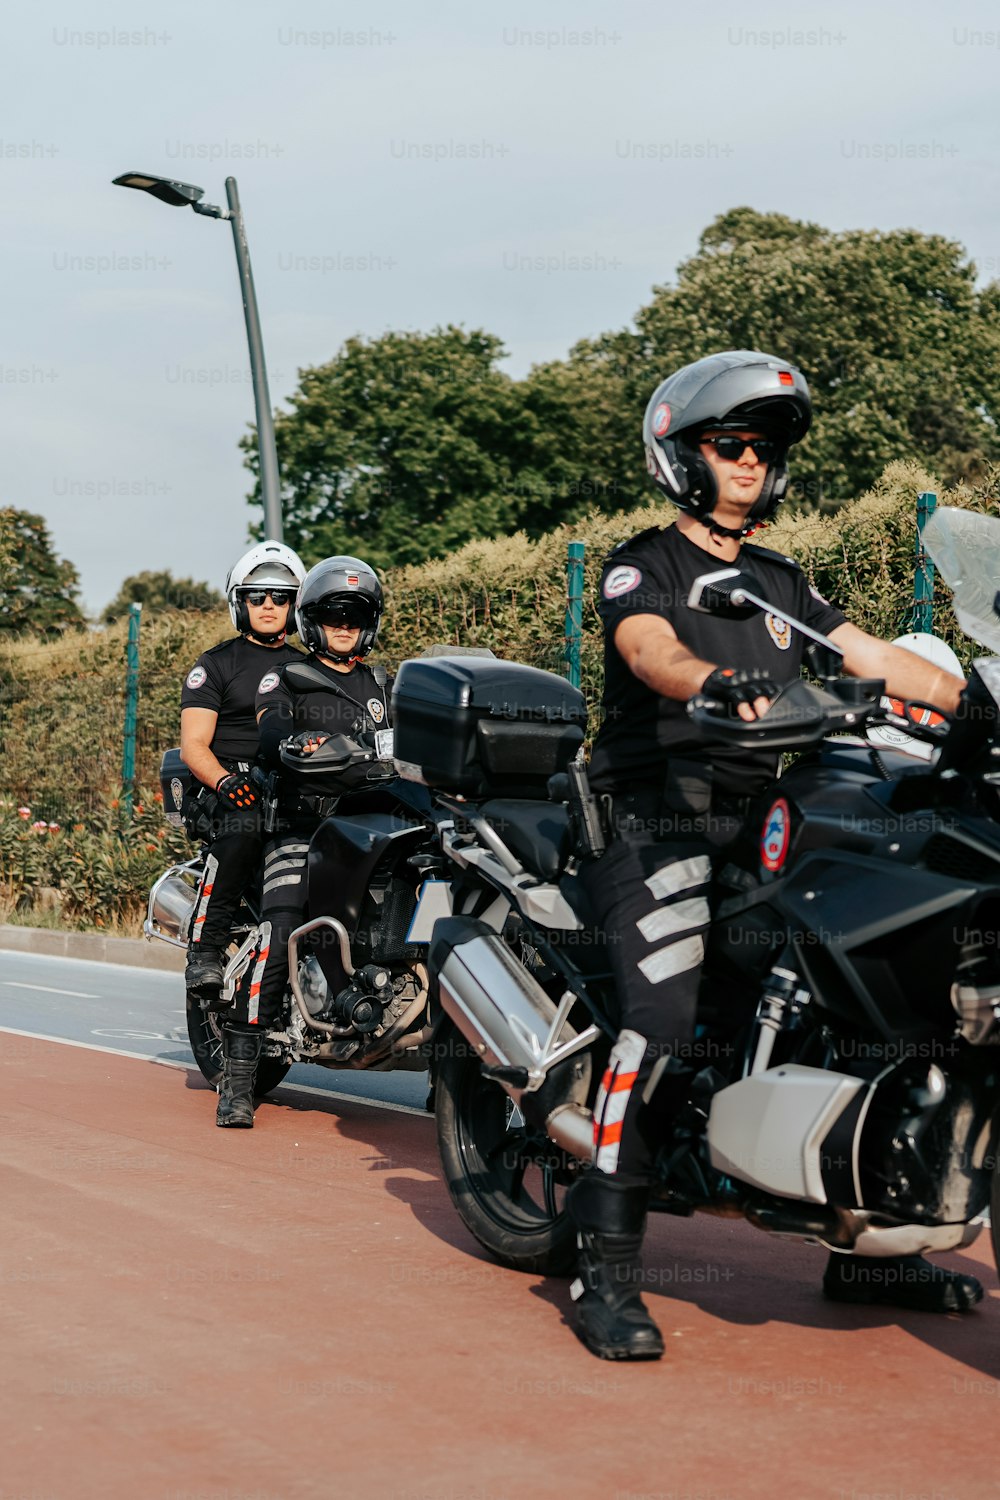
140, 1012
297, 1313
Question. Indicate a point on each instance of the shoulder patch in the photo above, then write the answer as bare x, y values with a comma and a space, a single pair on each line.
196, 677
776, 557
640, 536
269, 682
815, 594
620, 580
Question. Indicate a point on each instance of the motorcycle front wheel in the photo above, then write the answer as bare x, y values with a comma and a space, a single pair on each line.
204, 1029
507, 1180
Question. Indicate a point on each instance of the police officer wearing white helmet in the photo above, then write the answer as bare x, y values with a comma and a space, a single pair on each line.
717, 434
331, 692
219, 745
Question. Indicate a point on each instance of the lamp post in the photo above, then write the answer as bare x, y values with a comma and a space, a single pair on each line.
185, 195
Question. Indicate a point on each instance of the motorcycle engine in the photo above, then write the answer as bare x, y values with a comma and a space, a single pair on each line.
363, 1002
922, 1146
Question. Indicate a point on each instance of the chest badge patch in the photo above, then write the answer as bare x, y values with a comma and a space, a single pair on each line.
621, 580
779, 630
376, 709
196, 677
776, 836
269, 683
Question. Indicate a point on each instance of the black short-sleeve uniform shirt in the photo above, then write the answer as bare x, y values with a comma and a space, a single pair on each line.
224, 679
351, 697
652, 575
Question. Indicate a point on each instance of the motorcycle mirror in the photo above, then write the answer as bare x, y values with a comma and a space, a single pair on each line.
730, 591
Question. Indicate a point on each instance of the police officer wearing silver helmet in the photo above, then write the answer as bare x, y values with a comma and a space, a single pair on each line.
717, 434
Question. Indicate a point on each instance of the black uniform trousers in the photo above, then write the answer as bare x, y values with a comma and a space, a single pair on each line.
231, 865
651, 892
283, 900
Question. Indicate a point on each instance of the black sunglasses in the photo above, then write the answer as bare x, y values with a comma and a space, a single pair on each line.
731, 448
278, 597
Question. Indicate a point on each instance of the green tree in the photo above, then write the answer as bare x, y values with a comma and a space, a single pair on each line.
40, 592
403, 447
406, 446
900, 349
162, 591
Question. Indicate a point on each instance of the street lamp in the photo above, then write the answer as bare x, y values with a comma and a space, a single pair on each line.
185, 195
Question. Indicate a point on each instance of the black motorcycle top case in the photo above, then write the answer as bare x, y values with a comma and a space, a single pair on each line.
482, 727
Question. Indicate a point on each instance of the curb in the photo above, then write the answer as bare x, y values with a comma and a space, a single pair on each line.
137, 953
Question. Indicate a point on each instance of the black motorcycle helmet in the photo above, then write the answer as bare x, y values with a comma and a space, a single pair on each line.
335, 590
738, 389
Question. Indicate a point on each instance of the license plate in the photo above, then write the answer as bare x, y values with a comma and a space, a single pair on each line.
383, 744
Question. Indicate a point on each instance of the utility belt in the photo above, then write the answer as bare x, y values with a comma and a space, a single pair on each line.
203, 810
282, 811
683, 803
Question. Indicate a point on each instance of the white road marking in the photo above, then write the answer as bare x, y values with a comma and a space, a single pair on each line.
49, 989
134, 1036
190, 1067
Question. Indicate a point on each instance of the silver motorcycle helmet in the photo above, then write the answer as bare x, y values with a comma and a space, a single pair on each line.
734, 390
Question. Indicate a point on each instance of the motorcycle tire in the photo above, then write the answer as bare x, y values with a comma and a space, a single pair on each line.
204, 1029
506, 1180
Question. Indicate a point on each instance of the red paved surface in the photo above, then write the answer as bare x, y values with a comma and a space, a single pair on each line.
297, 1312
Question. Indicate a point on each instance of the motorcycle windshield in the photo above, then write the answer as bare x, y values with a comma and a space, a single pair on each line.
965, 547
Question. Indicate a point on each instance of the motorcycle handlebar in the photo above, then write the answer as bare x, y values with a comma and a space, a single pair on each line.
800, 715
337, 753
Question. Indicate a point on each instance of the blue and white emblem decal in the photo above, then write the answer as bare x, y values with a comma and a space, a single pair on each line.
196, 677
621, 580
269, 683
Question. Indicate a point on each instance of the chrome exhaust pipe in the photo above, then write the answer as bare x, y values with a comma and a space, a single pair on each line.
172, 902
571, 1126
517, 1030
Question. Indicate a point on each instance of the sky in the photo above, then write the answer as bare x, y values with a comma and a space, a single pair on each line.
530, 169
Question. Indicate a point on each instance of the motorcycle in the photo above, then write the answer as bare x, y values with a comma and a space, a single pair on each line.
844, 1082
357, 995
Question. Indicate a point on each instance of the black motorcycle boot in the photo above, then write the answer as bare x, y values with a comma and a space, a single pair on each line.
203, 974
907, 1281
610, 1218
240, 1056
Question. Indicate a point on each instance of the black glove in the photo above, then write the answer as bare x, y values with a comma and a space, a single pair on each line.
732, 686
298, 742
237, 791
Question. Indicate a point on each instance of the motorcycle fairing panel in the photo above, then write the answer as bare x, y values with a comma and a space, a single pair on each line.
875, 944
348, 855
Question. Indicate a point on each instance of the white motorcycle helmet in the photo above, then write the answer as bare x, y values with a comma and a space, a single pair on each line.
268, 564
932, 649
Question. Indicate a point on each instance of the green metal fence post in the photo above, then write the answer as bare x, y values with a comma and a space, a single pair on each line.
923, 578
574, 610
131, 706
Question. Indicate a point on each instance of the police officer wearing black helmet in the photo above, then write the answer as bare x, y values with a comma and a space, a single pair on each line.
219, 745
330, 692
717, 434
